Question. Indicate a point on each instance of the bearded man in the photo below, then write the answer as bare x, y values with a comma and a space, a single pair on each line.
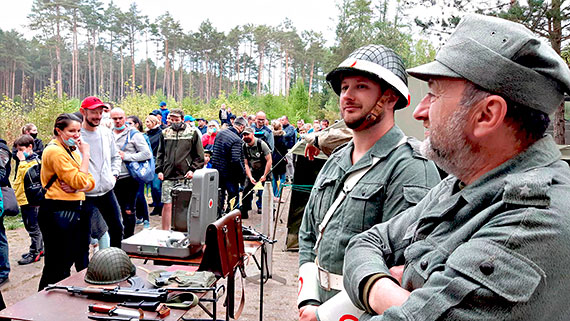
490, 242
372, 178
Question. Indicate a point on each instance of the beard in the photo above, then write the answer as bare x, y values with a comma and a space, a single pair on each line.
448, 147
92, 122
363, 122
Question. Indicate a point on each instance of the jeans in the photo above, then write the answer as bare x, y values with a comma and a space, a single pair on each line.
30, 218
141, 204
156, 192
108, 206
126, 192
4, 259
64, 229
232, 188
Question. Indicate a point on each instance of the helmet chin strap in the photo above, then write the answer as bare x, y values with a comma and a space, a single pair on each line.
375, 112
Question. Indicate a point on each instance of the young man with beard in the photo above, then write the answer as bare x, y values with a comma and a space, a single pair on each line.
491, 241
372, 178
105, 166
180, 154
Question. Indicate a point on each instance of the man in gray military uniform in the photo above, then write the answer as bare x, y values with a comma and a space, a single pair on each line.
492, 240
377, 175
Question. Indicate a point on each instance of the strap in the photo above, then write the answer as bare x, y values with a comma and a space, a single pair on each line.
349, 184
51, 181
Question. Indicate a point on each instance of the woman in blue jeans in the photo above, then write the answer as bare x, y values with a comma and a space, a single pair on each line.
140, 203
153, 134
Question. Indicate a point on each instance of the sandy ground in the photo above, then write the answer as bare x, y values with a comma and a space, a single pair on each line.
279, 300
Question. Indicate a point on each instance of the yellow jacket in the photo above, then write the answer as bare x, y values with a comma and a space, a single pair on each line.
56, 160
19, 181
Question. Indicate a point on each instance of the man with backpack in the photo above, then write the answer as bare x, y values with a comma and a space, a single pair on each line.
5, 169
257, 167
27, 179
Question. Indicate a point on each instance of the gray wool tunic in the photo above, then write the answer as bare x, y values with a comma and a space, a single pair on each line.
398, 181
498, 249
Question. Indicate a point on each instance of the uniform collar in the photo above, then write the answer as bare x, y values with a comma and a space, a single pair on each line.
542, 153
381, 149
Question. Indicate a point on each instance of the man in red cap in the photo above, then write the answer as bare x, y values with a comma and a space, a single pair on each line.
104, 165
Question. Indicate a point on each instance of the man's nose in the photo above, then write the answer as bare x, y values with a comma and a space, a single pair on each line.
422, 109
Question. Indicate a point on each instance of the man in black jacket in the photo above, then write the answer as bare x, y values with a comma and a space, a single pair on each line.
227, 158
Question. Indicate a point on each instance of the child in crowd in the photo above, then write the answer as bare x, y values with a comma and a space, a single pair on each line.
207, 156
25, 154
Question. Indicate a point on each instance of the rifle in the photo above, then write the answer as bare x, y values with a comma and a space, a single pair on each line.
114, 295
250, 234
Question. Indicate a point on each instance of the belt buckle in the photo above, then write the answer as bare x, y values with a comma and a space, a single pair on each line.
326, 276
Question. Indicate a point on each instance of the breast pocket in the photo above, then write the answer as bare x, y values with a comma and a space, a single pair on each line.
364, 206
324, 196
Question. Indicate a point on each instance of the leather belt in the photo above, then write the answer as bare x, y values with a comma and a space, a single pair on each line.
329, 281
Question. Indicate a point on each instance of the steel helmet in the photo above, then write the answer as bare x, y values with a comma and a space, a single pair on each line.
379, 63
110, 265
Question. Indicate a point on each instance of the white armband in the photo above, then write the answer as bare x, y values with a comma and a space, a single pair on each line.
308, 283
339, 308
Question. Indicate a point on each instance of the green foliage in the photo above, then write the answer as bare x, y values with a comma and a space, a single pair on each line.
13, 222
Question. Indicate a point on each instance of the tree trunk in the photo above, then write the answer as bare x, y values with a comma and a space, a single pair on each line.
261, 50
147, 68
13, 86
237, 66
58, 56
220, 65
311, 80
122, 83
555, 42
286, 73
133, 80
166, 68
111, 68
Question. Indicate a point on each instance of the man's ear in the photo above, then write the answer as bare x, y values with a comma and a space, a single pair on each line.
488, 115
389, 98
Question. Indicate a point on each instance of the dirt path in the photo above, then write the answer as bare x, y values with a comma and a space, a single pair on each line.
279, 300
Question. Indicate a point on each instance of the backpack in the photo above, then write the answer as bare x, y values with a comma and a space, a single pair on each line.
33, 185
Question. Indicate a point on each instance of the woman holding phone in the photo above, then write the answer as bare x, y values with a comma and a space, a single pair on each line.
65, 175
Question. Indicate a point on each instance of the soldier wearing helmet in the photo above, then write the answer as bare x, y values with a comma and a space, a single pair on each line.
369, 180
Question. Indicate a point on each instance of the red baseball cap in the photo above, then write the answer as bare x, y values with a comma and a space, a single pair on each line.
93, 102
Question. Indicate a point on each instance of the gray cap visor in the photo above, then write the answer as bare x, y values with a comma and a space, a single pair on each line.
432, 69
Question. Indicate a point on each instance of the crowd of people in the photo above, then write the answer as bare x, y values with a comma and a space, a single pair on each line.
92, 198
386, 235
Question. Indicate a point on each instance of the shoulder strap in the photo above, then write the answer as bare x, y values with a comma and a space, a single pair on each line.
348, 185
129, 135
51, 181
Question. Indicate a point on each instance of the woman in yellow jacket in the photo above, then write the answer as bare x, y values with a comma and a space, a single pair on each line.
63, 228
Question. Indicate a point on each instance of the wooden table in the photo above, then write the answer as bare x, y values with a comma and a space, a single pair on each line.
61, 305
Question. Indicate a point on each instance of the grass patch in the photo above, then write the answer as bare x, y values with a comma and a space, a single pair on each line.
13, 222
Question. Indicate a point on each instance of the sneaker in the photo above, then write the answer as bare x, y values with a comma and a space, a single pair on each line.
31, 258
139, 221
42, 253
25, 254
146, 224
258, 211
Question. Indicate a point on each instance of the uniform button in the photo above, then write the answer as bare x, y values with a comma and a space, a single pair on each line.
424, 264
487, 268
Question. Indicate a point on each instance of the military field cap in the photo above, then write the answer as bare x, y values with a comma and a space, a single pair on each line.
504, 58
